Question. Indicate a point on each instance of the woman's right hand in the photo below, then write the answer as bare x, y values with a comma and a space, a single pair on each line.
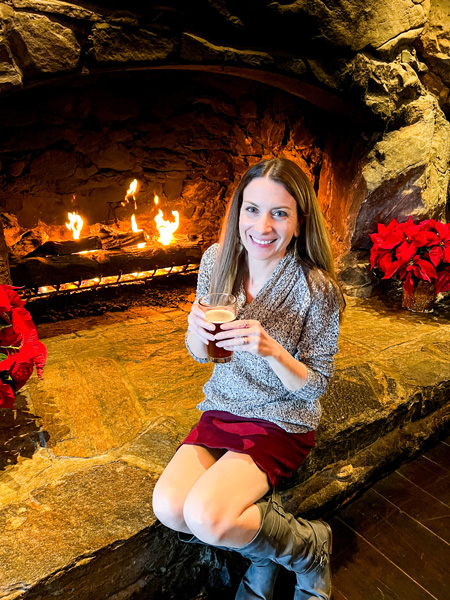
199, 326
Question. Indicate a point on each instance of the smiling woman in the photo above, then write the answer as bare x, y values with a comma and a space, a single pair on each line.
267, 223
262, 407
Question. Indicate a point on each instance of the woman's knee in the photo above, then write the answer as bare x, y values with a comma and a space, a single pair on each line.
206, 519
168, 507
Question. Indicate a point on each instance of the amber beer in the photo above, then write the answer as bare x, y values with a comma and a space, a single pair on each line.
219, 308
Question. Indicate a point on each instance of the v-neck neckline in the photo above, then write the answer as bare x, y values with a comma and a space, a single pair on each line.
267, 284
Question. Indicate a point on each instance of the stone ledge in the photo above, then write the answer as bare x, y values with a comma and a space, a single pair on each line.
118, 397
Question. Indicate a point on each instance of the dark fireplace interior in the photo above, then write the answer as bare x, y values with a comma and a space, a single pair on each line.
76, 147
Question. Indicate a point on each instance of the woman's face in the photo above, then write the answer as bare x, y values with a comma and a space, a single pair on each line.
268, 220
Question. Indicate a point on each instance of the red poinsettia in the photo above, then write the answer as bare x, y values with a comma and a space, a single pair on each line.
413, 252
20, 348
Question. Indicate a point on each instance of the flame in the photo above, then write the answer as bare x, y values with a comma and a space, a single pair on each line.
135, 228
75, 224
166, 228
156, 199
131, 191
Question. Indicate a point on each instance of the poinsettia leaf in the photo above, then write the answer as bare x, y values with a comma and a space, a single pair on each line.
384, 261
436, 253
428, 224
7, 397
424, 269
393, 268
406, 251
426, 238
442, 229
24, 351
443, 281
408, 284
446, 253
14, 298
5, 304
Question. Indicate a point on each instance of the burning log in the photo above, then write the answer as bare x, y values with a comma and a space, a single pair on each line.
62, 248
112, 240
40, 271
106, 240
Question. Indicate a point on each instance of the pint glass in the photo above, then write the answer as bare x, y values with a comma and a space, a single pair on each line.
218, 308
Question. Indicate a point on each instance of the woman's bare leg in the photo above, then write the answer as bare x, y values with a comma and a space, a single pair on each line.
171, 490
220, 507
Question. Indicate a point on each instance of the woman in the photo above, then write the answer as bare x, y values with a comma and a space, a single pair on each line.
261, 408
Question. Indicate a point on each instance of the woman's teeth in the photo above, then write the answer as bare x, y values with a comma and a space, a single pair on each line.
262, 242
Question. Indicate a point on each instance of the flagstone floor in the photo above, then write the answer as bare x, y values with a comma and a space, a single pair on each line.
119, 394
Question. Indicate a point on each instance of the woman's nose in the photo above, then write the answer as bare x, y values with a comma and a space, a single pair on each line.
263, 224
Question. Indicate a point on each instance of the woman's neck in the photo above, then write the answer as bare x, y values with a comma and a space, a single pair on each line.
258, 273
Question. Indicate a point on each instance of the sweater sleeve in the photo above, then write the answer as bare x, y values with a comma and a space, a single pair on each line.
318, 341
203, 281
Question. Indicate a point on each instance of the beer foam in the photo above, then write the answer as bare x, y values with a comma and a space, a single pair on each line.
219, 315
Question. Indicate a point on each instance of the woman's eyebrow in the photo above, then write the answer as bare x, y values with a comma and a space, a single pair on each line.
274, 208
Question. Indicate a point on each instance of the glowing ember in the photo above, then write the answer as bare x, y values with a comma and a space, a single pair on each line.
115, 279
166, 228
131, 191
75, 224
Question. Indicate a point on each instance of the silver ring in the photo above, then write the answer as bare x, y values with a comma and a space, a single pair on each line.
245, 340
245, 324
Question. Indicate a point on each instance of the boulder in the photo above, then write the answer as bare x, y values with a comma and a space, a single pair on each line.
43, 46
10, 74
354, 25
433, 45
405, 173
115, 44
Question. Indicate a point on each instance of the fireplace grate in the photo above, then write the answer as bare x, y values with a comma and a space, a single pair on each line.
122, 279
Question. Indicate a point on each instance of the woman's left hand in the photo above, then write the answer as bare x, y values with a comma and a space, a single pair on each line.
246, 336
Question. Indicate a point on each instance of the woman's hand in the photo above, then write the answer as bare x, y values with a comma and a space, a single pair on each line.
198, 325
246, 336
249, 336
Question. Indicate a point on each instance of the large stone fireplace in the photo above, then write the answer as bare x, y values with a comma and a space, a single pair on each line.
183, 97
184, 100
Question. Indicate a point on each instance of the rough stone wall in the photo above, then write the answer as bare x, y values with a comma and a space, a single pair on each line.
382, 68
186, 138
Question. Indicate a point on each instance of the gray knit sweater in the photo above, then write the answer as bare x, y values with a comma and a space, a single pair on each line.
305, 322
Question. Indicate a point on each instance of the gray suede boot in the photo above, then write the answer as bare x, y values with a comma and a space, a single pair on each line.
296, 544
259, 580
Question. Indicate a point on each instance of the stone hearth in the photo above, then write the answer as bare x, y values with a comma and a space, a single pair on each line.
119, 394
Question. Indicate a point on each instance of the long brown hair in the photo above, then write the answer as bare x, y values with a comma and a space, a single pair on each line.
312, 246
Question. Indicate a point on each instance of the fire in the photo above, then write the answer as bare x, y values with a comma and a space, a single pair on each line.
135, 229
131, 191
75, 224
134, 226
166, 228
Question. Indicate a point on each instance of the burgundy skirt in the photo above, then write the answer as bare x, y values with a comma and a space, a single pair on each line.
275, 451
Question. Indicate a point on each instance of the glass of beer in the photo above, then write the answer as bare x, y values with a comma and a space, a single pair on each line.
218, 308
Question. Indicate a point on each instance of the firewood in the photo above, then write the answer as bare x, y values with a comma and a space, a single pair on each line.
114, 240
65, 247
38, 271
105, 240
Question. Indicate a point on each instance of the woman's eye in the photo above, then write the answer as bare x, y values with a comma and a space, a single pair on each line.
250, 209
280, 213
